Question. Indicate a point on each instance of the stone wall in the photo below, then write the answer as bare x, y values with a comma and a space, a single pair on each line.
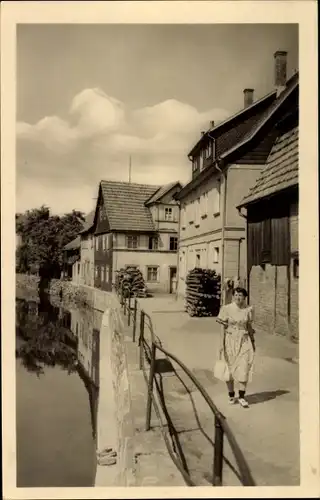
27, 284
114, 416
114, 419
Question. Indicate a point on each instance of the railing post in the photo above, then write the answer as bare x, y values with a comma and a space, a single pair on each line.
124, 305
141, 340
129, 310
134, 319
218, 453
150, 385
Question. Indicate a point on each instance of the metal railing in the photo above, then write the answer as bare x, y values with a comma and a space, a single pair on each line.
222, 430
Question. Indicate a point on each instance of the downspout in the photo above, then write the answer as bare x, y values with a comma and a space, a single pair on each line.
178, 250
223, 222
239, 256
247, 270
224, 212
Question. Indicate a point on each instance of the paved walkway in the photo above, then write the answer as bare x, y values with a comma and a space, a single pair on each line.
268, 432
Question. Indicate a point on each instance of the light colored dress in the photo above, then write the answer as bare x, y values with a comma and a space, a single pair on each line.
238, 348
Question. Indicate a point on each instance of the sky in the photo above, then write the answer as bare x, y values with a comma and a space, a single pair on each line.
91, 96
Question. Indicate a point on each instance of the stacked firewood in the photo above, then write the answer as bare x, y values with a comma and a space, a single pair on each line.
131, 282
203, 292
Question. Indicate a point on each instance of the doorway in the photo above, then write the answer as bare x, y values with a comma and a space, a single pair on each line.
172, 279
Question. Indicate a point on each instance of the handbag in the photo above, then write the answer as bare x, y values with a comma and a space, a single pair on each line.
221, 370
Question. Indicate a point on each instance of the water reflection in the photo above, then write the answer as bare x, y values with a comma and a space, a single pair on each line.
85, 325
50, 341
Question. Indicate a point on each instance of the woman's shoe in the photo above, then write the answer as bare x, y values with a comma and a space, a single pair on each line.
243, 402
232, 401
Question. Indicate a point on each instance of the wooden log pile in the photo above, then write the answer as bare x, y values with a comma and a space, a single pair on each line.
132, 282
203, 292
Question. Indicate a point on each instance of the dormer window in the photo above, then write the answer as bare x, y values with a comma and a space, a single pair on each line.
168, 215
207, 152
195, 165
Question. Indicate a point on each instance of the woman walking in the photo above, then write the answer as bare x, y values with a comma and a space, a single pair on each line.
237, 344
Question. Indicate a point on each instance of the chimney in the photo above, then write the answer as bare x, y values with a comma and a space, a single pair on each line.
280, 70
248, 97
202, 132
212, 123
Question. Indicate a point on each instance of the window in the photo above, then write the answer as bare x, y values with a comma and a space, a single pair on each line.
216, 200
191, 212
207, 151
196, 165
96, 271
197, 260
183, 217
103, 278
168, 215
153, 243
173, 243
107, 274
132, 241
152, 274
96, 239
216, 252
202, 205
197, 212
183, 265
109, 241
296, 267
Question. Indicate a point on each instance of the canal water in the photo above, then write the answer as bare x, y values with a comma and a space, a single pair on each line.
57, 385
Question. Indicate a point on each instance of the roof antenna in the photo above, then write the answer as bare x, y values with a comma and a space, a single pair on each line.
130, 169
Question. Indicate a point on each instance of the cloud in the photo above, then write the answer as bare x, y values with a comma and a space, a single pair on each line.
97, 113
53, 132
61, 161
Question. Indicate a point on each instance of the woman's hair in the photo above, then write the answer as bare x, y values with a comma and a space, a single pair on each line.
238, 289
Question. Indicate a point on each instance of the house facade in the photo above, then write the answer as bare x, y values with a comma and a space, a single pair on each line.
226, 162
136, 225
71, 268
271, 209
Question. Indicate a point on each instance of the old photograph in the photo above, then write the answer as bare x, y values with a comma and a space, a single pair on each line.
170, 182
157, 255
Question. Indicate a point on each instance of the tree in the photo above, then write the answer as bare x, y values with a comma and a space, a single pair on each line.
43, 238
42, 338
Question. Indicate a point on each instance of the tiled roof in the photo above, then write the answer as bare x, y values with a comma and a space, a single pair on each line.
125, 205
243, 130
88, 222
281, 170
237, 133
161, 192
262, 118
231, 130
73, 245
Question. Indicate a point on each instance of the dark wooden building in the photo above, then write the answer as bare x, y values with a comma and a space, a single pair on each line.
272, 207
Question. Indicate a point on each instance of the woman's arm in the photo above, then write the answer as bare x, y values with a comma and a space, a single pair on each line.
222, 319
251, 330
223, 322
